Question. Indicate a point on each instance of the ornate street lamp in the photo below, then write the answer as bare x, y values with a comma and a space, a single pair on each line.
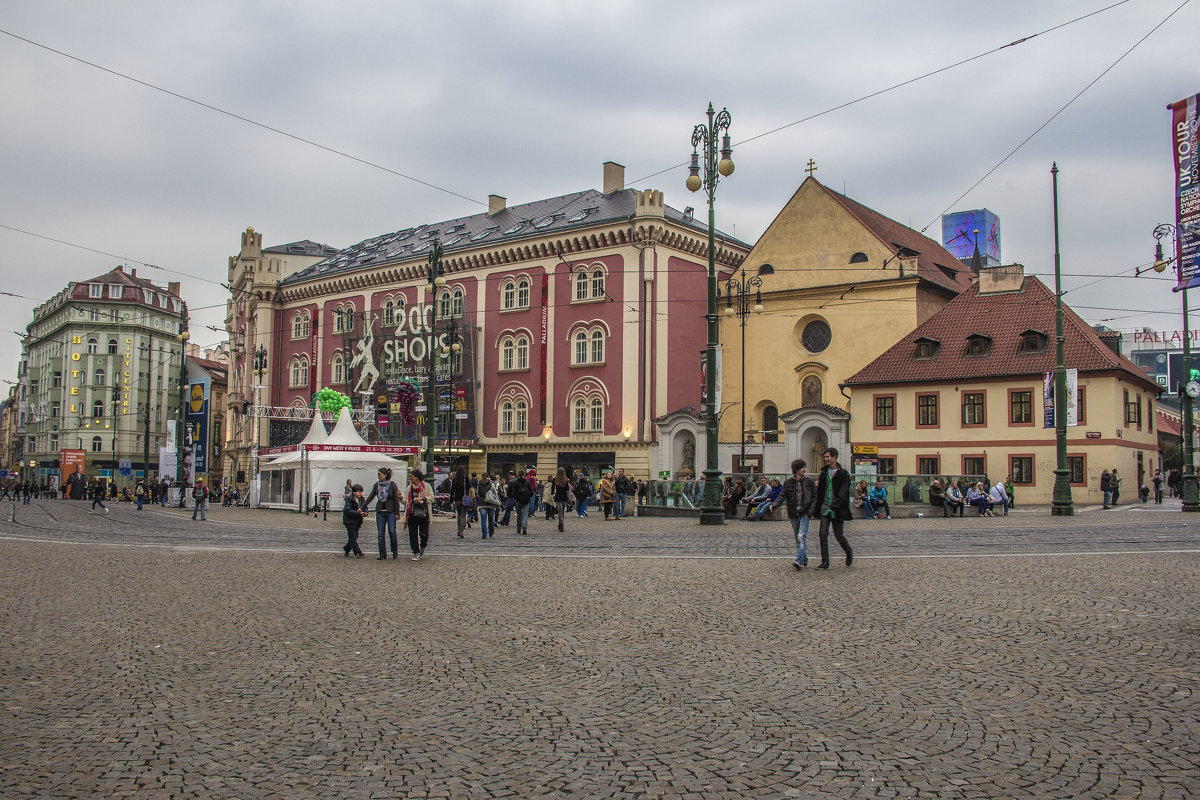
1189, 389
737, 303
1062, 504
437, 279
704, 138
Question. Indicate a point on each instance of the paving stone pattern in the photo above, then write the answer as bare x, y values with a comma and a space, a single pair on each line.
214, 672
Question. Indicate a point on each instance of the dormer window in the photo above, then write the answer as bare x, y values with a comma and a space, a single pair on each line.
978, 345
926, 347
1033, 341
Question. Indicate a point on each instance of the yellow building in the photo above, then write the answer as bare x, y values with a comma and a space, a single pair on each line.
840, 284
962, 395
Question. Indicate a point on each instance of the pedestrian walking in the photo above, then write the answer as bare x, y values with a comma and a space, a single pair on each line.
583, 493
800, 494
608, 494
1114, 485
833, 506
200, 495
417, 511
98, 497
462, 499
352, 517
1106, 487
488, 500
387, 506
1157, 480
521, 493
624, 488
562, 495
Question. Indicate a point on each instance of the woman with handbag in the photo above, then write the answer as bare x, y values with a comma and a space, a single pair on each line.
417, 512
386, 509
561, 486
462, 499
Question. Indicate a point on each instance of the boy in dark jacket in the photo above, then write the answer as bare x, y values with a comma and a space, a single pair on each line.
352, 517
800, 494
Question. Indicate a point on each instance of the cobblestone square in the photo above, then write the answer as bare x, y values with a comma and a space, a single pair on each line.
212, 672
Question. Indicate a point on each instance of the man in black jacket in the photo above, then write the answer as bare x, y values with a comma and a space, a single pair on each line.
521, 492
624, 487
833, 506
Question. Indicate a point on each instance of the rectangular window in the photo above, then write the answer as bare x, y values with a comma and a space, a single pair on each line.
927, 410
56, 381
885, 411
1128, 408
1138, 417
1021, 469
1081, 399
1020, 403
928, 465
974, 465
115, 290
1075, 466
95, 290
972, 408
887, 465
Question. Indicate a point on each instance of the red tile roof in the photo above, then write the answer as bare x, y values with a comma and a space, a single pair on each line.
1172, 426
1003, 317
935, 263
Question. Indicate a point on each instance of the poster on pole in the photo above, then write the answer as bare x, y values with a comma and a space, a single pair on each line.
167, 463
1184, 143
1072, 398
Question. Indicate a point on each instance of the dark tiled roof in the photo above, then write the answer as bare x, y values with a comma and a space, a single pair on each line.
118, 275
306, 247
690, 411
832, 411
1003, 317
935, 263
539, 218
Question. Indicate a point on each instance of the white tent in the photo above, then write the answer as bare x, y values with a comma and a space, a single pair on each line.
323, 463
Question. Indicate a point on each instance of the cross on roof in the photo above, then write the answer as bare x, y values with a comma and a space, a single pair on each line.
812, 167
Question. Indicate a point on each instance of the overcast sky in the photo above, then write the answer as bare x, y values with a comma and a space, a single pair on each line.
528, 99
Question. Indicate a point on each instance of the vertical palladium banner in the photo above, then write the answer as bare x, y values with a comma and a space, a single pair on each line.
1187, 188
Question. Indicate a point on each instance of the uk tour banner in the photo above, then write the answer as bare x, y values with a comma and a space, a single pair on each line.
1187, 188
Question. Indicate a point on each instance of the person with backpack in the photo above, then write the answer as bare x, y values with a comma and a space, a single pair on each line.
583, 493
489, 504
462, 499
139, 492
521, 493
200, 495
386, 509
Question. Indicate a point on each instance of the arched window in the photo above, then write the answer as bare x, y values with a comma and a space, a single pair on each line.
596, 419
580, 352
444, 305
506, 417
456, 303
97, 409
508, 352
99, 377
389, 313
597, 283
770, 423
522, 352
97, 444
581, 285
112, 347
597, 346
339, 368
579, 418
295, 326
299, 372
508, 295
521, 412
91, 345
523, 293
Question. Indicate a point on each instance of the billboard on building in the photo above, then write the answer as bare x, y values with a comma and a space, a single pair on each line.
959, 234
68, 460
196, 420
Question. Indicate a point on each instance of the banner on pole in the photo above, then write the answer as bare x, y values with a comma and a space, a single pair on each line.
1184, 152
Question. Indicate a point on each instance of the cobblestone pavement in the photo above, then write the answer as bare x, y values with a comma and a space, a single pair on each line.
246, 659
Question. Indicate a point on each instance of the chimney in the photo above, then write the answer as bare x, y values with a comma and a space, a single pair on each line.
496, 204
173, 288
1005, 278
134, 272
614, 177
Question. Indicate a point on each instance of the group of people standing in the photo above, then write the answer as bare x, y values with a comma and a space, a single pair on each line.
413, 506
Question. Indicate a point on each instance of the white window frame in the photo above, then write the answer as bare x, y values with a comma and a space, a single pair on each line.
96, 290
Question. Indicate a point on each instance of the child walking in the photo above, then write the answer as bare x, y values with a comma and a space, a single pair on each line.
352, 517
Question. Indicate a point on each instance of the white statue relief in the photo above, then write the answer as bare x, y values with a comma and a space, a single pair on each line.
365, 357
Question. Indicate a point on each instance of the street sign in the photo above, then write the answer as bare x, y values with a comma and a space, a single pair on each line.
125, 467
865, 449
1093, 434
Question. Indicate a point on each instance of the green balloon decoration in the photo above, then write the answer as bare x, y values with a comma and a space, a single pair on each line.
331, 400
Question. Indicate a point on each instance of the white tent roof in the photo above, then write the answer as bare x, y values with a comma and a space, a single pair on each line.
316, 435
344, 434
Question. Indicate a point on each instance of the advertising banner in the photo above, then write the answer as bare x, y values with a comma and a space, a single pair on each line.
68, 460
1072, 398
168, 465
1187, 188
196, 419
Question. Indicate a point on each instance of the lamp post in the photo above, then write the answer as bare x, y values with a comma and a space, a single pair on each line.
737, 303
1061, 504
437, 280
184, 335
1190, 388
704, 136
260, 367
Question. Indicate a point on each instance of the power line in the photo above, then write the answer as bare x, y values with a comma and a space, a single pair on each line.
1054, 116
241, 118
